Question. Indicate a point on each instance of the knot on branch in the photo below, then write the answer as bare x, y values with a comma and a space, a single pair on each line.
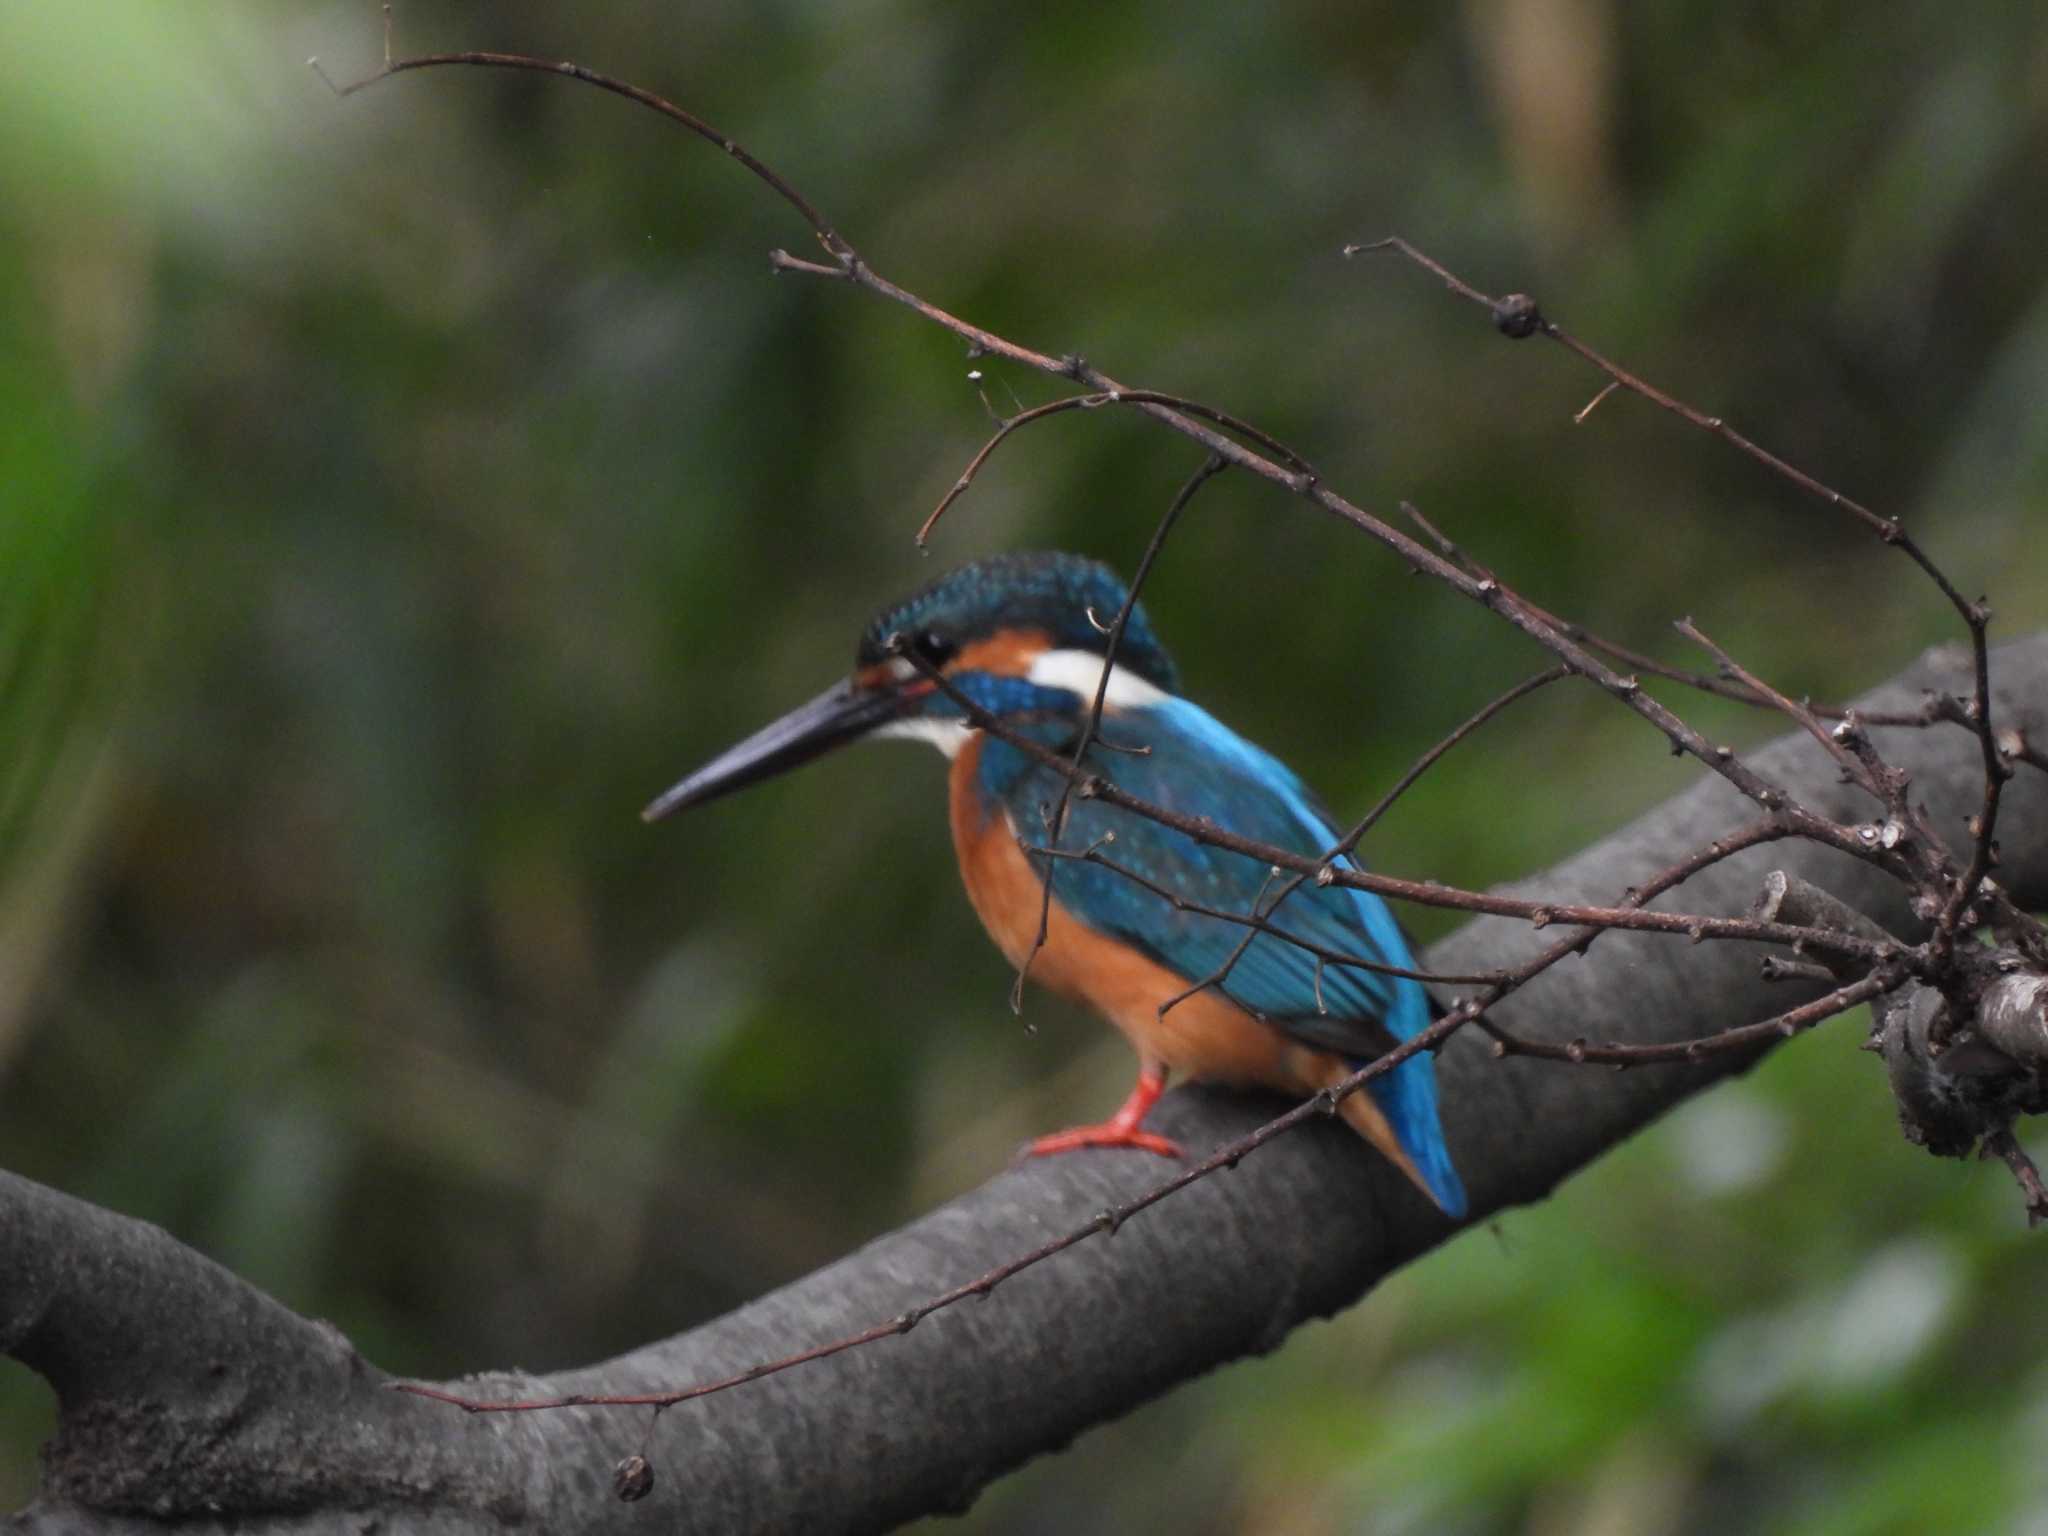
1965, 1050
1961, 1071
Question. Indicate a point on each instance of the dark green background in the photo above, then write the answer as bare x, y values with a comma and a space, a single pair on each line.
394, 493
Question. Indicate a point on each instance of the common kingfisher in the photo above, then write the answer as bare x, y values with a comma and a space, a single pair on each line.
1024, 637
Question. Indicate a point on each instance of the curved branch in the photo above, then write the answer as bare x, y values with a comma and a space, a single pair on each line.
187, 1394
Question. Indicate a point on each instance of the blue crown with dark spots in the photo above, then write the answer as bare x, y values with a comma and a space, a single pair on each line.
1047, 590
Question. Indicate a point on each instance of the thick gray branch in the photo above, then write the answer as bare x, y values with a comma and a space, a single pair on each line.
185, 1393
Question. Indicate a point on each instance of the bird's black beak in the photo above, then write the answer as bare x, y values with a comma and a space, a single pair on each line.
844, 712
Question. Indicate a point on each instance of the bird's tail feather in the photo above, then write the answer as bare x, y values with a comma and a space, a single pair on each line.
1397, 1114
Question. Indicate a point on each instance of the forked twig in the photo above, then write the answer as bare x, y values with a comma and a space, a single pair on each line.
1517, 316
1024, 418
1260, 921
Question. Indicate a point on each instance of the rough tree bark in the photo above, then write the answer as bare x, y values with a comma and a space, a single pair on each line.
187, 1395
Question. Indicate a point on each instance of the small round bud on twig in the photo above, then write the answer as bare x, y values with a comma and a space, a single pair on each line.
633, 1479
1516, 316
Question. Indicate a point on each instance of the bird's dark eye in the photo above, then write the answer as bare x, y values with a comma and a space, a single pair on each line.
935, 649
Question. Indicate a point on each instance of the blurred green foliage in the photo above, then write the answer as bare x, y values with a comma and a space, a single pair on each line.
394, 493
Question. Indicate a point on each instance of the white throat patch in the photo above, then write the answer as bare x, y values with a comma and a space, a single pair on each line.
949, 736
1080, 673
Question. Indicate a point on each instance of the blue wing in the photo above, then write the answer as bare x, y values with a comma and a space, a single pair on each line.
1198, 766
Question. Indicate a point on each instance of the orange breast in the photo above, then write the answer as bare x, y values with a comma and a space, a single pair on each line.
1207, 1036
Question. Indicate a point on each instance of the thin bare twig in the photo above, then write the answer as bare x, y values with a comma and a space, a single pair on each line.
1024, 418
1093, 854
1211, 467
834, 243
1854, 768
2004, 1145
1940, 708
1767, 829
1774, 968
2020, 748
1741, 1037
1906, 826
1344, 846
1517, 316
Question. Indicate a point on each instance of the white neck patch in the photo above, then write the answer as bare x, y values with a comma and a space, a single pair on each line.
1080, 673
949, 736
1075, 672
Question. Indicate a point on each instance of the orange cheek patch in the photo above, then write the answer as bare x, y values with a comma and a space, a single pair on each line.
1006, 653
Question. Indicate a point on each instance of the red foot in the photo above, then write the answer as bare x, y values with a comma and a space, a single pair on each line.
1119, 1130
1107, 1134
